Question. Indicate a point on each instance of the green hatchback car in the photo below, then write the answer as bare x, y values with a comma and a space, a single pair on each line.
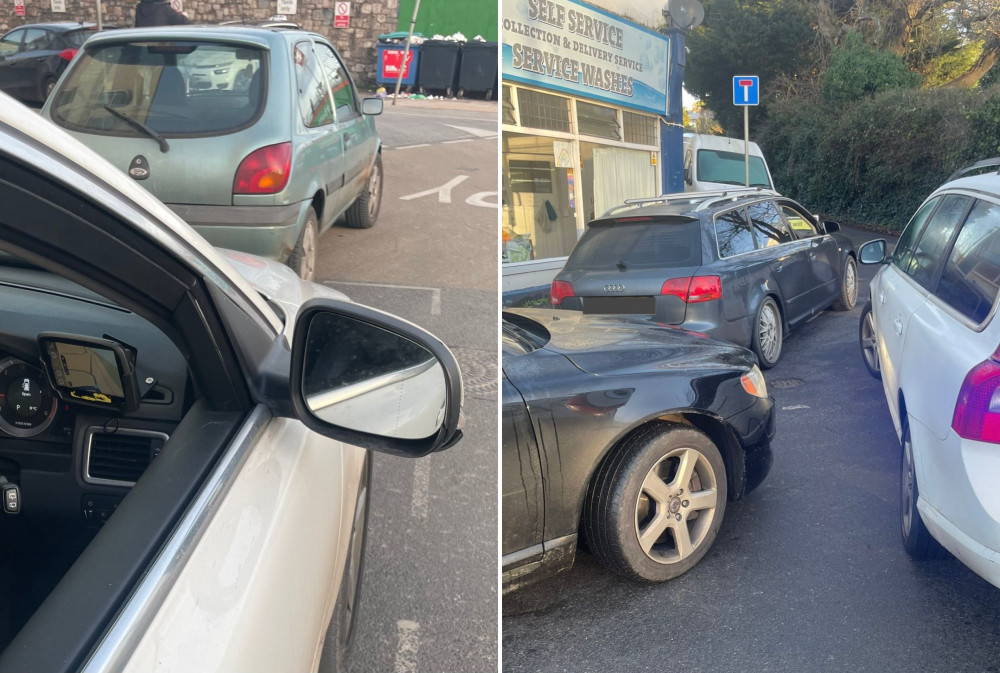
255, 136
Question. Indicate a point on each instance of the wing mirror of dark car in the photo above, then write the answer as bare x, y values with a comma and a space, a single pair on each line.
374, 380
830, 226
872, 252
372, 106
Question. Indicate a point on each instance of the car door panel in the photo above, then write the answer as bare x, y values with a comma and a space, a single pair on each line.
9, 49
246, 596
787, 258
523, 500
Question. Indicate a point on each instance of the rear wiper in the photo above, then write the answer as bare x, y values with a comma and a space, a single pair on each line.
164, 147
621, 265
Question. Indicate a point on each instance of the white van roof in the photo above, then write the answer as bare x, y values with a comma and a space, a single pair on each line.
719, 143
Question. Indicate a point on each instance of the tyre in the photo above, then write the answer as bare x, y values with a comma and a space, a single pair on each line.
489, 94
917, 540
363, 213
303, 257
45, 90
656, 504
848, 287
768, 334
869, 344
461, 92
345, 612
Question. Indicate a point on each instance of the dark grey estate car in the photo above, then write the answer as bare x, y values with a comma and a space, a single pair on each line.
743, 265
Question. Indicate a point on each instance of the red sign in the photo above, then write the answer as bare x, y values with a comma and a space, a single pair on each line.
746, 82
391, 58
19, 7
340, 21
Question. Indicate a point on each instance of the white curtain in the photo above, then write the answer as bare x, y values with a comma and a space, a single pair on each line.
621, 174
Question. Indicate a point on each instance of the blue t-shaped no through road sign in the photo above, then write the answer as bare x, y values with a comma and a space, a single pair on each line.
746, 90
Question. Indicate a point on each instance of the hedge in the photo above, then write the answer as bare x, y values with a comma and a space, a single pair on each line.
875, 159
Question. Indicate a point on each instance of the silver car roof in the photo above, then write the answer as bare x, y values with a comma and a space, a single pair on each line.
62, 158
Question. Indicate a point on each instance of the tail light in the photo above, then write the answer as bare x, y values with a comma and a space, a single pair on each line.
694, 290
560, 290
977, 411
67, 54
264, 171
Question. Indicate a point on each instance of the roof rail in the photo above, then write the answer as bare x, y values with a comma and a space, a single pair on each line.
690, 196
726, 197
985, 163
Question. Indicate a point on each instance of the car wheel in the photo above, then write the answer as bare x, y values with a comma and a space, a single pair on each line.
767, 334
848, 287
656, 504
869, 344
364, 211
345, 612
303, 257
917, 540
48, 84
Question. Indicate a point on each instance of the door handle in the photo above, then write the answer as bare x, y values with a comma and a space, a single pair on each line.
881, 297
812, 256
777, 267
898, 324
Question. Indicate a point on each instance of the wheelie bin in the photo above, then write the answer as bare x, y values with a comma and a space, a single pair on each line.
439, 62
478, 72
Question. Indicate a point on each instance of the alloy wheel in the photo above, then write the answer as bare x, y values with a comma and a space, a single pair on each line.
851, 280
374, 190
676, 506
909, 480
769, 332
869, 348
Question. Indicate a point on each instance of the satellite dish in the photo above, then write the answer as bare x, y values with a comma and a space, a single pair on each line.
686, 13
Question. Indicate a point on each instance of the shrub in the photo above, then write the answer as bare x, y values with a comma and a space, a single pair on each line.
857, 70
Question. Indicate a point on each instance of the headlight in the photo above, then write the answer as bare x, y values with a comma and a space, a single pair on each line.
753, 382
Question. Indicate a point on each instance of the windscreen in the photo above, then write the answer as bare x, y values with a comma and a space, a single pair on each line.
729, 168
638, 245
174, 88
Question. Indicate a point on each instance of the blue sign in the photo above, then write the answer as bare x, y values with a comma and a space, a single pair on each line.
746, 90
568, 46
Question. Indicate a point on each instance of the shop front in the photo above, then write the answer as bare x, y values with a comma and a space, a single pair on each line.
583, 95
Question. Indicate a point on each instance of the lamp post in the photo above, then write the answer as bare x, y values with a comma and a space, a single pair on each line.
680, 16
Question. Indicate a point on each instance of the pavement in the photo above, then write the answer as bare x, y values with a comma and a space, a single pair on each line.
808, 573
429, 591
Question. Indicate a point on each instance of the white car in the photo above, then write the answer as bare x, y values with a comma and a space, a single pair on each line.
930, 333
185, 434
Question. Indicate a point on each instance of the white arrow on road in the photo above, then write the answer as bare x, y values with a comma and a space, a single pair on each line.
443, 192
479, 133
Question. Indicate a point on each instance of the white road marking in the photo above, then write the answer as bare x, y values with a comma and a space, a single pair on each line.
443, 192
409, 147
460, 140
472, 131
421, 484
479, 199
407, 646
795, 406
435, 291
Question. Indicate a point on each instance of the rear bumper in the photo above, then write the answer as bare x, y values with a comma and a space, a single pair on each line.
265, 231
755, 428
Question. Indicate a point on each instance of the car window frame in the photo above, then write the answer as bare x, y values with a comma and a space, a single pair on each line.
781, 216
20, 43
356, 110
933, 296
805, 215
297, 45
935, 276
715, 232
47, 34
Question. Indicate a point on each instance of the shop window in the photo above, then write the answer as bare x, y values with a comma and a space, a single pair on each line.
542, 111
640, 129
530, 177
597, 120
508, 107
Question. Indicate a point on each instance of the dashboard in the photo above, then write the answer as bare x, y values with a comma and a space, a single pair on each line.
71, 461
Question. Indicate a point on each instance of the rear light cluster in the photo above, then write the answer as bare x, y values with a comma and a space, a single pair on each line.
694, 290
690, 290
977, 411
560, 290
67, 54
264, 171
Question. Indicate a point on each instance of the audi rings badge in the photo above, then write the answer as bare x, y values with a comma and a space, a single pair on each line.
614, 287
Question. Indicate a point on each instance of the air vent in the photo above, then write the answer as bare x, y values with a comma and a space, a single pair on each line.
119, 458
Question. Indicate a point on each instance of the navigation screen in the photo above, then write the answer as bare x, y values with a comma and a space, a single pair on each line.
90, 374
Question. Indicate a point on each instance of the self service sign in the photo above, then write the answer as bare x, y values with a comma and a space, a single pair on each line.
578, 49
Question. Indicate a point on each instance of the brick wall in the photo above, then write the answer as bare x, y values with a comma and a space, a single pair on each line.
356, 44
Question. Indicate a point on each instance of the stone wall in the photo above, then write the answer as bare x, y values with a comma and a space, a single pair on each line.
356, 44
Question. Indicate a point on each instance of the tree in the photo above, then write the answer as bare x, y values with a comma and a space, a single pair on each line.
857, 70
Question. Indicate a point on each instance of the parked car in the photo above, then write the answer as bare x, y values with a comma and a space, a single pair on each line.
713, 162
629, 435
743, 265
930, 334
33, 56
234, 129
213, 411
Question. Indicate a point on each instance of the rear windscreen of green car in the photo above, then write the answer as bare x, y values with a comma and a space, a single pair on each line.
638, 245
174, 88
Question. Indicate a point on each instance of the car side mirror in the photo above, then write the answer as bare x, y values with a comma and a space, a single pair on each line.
830, 226
372, 106
872, 252
374, 380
